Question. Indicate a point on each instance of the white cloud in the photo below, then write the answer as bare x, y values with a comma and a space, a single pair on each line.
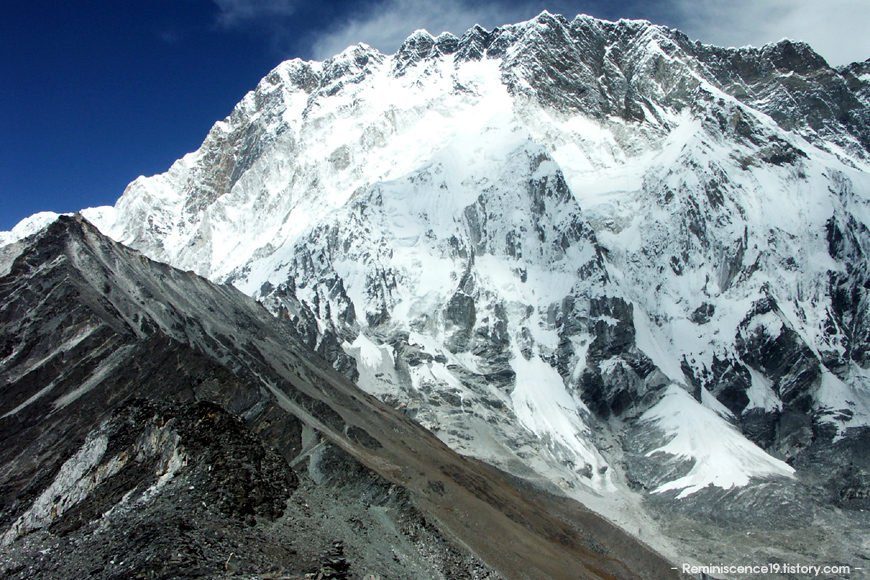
386, 24
836, 29
236, 12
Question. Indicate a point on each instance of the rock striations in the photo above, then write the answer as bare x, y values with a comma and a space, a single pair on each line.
624, 267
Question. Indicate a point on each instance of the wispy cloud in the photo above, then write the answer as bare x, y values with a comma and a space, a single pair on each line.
836, 29
240, 12
169, 35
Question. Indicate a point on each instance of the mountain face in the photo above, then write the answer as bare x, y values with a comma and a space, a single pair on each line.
157, 425
622, 266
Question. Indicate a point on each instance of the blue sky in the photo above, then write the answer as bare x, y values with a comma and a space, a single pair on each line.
95, 93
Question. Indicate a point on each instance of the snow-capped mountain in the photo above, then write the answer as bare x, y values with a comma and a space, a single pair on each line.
620, 264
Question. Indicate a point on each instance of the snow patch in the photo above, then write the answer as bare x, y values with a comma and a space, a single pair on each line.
844, 404
721, 455
761, 394
544, 406
28, 226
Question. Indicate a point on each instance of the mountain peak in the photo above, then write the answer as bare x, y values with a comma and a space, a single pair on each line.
791, 55
548, 18
358, 54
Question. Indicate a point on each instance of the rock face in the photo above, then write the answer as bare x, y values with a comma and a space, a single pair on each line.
157, 425
618, 264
